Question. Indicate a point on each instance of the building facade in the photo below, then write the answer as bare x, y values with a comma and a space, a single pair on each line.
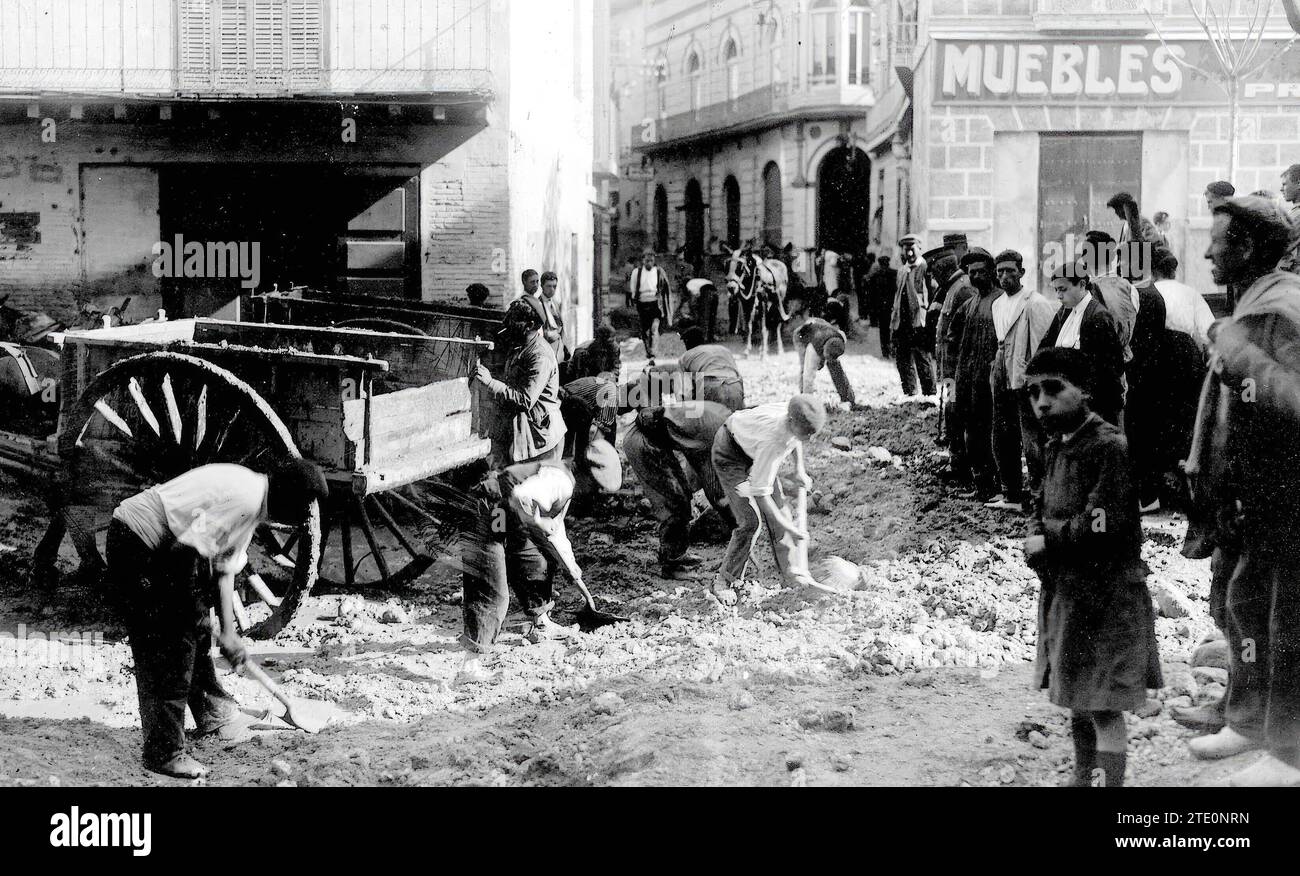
1031, 114
392, 147
749, 121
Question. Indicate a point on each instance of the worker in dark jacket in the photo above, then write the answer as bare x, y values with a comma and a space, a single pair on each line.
711, 371
528, 424
600, 355
651, 446
1083, 323
1246, 492
1148, 375
1097, 651
973, 345
820, 344
173, 553
953, 291
881, 284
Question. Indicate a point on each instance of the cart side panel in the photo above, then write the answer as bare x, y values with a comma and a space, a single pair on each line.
419, 423
440, 320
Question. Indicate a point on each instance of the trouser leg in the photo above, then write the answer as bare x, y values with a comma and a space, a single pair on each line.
1006, 443
527, 570
977, 423
701, 463
1247, 604
1034, 440
660, 478
955, 429
485, 586
1282, 694
209, 702
841, 381
810, 363
732, 467
923, 362
903, 360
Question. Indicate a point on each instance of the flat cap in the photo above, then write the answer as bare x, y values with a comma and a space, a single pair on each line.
807, 414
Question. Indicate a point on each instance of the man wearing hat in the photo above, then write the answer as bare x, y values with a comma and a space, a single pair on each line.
1242, 470
528, 423
907, 321
651, 446
953, 290
972, 344
747, 452
818, 344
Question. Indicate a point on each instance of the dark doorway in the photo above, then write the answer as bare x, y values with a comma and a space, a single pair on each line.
328, 228
694, 221
731, 189
844, 200
661, 219
1077, 175
772, 206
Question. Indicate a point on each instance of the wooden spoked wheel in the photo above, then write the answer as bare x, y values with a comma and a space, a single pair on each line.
385, 540
149, 418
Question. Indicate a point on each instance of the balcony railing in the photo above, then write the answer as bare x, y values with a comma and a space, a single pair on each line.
747, 107
245, 48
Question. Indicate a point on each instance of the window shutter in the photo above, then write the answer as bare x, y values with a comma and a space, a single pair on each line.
195, 72
233, 62
268, 45
306, 39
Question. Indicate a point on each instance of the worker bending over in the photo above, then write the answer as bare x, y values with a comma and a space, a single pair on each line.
821, 344
747, 451
651, 446
173, 552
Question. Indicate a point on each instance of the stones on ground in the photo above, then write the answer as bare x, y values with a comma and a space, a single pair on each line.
1171, 601
1036, 739
839, 442
394, 614
1007, 774
1179, 682
740, 700
1149, 709
798, 778
881, 456
1209, 675
608, 703
794, 760
349, 606
632, 761
838, 573
838, 720
841, 763
1212, 654
281, 768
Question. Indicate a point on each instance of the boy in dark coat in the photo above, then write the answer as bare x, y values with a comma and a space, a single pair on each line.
1097, 650
1084, 323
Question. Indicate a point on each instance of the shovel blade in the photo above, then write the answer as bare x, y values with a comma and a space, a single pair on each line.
593, 619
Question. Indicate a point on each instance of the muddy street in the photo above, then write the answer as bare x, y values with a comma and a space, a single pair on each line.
920, 674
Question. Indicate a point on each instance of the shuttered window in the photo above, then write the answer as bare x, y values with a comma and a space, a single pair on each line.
251, 45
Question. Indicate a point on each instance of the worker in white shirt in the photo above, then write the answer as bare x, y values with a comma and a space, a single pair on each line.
1185, 309
173, 552
517, 543
747, 452
648, 289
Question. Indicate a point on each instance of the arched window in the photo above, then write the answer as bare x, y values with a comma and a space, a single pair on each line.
772, 204
731, 193
731, 57
661, 219
825, 21
859, 43
695, 79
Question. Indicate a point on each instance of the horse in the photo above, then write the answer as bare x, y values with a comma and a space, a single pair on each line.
759, 285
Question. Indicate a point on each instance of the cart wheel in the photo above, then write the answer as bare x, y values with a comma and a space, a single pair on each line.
379, 324
152, 417
385, 540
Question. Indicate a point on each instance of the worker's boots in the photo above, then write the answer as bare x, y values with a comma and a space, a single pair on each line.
182, 766
679, 568
544, 630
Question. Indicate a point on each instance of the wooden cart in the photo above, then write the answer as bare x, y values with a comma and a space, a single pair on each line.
378, 411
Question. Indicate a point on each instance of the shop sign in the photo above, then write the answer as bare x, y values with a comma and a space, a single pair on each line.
1101, 71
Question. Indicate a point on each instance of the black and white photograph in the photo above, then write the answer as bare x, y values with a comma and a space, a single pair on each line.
889, 395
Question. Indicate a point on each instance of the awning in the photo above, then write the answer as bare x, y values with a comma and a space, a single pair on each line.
889, 120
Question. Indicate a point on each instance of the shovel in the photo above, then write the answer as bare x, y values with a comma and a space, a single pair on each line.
294, 714
591, 618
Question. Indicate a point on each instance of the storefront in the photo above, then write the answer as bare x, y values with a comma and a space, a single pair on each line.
1025, 141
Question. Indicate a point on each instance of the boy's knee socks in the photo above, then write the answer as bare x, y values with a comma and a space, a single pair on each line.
1085, 749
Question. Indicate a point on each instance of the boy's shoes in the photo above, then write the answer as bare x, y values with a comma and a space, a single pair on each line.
1208, 717
182, 766
724, 591
1267, 772
1226, 743
1153, 508
1002, 503
546, 630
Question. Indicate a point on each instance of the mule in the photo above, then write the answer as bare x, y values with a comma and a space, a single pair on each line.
760, 286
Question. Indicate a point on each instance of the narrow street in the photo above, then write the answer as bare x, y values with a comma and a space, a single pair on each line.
921, 676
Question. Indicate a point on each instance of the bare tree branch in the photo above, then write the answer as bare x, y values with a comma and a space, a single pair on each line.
1271, 58
1255, 38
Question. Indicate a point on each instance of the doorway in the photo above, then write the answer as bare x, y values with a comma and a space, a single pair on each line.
1077, 175
844, 200
694, 221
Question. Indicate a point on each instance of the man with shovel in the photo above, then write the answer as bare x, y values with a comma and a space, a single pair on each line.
517, 541
173, 552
